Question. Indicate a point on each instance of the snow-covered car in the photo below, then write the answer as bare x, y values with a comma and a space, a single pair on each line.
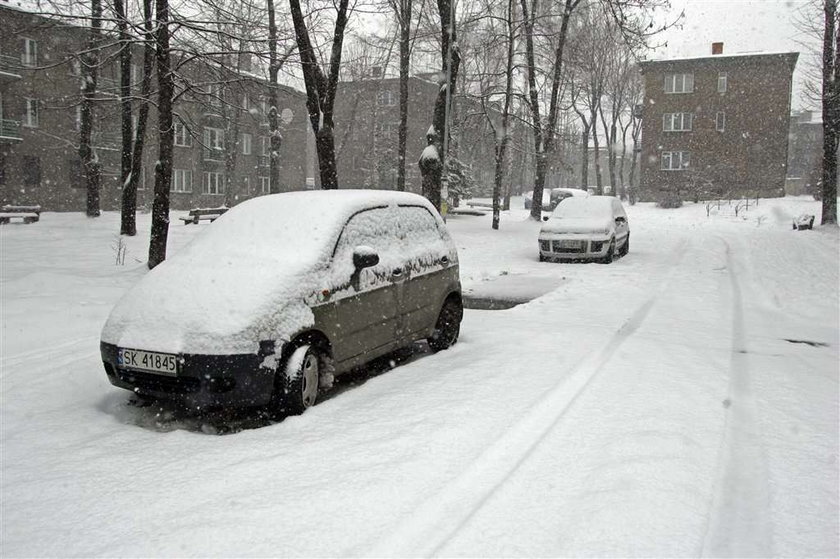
283, 292
585, 228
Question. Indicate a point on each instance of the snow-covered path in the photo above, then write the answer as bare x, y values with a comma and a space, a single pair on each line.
677, 402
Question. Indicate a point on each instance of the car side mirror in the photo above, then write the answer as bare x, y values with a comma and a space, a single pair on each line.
364, 257
545, 218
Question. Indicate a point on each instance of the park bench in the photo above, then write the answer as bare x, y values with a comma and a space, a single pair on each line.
197, 214
28, 214
803, 221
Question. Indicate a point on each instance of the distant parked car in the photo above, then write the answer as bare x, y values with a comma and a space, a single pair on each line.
553, 197
282, 292
592, 228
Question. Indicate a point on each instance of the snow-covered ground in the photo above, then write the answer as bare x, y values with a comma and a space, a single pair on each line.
682, 401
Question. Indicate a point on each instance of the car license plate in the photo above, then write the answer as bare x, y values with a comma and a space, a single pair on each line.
575, 245
148, 361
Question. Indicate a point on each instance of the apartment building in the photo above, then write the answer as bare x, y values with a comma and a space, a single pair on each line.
221, 130
367, 116
716, 125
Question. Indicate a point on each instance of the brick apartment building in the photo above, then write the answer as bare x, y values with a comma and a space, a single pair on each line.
367, 133
223, 111
716, 124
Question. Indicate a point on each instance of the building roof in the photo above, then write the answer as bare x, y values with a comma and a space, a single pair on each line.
755, 54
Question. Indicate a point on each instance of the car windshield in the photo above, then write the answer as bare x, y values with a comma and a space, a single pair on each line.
575, 207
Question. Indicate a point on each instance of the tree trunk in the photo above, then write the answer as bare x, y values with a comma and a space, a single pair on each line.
433, 168
831, 112
125, 100
584, 155
405, 58
166, 138
599, 184
129, 202
275, 139
502, 143
321, 89
90, 66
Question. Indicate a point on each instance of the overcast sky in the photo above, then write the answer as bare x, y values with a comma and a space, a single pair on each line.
743, 26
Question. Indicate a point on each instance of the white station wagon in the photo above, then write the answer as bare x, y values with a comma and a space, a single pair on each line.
593, 228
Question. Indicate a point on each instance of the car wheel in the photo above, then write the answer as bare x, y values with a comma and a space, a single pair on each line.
448, 325
608, 258
297, 381
626, 248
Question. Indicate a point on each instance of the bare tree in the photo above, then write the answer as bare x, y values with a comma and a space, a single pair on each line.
90, 66
321, 88
830, 110
166, 136
432, 161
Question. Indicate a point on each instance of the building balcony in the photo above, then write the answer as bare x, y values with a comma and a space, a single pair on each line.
9, 68
107, 140
214, 154
10, 131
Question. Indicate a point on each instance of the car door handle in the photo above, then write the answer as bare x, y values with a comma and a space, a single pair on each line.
444, 260
397, 273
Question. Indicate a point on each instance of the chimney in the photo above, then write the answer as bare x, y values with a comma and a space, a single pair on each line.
717, 48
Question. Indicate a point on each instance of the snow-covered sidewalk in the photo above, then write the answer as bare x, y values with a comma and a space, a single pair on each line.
682, 401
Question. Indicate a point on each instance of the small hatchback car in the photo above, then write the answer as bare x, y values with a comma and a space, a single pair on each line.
281, 293
593, 228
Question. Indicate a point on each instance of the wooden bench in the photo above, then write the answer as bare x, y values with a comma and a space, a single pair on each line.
198, 214
29, 214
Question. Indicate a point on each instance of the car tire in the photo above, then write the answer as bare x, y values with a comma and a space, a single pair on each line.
448, 325
297, 382
626, 248
608, 258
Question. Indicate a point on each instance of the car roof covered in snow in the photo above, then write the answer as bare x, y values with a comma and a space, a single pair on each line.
297, 225
579, 206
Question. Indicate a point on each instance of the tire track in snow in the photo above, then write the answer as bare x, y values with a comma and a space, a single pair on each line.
41, 354
739, 523
440, 517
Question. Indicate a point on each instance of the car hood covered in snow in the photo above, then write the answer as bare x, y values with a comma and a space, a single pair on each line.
244, 279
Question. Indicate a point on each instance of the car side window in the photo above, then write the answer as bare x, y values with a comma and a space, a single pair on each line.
423, 242
375, 229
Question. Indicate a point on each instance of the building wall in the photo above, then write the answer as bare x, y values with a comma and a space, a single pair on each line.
749, 155
367, 116
52, 146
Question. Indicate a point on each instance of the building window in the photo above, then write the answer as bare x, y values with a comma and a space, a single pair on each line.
720, 121
265, 148
31, 171
246, 102
214, 141
31, 117
246, 144
30, 52
679, 83
213, 183
182, 135
181, 180
722, 82
677, 122
265, 185
246, 186
386, 98
675, 160
214, 95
